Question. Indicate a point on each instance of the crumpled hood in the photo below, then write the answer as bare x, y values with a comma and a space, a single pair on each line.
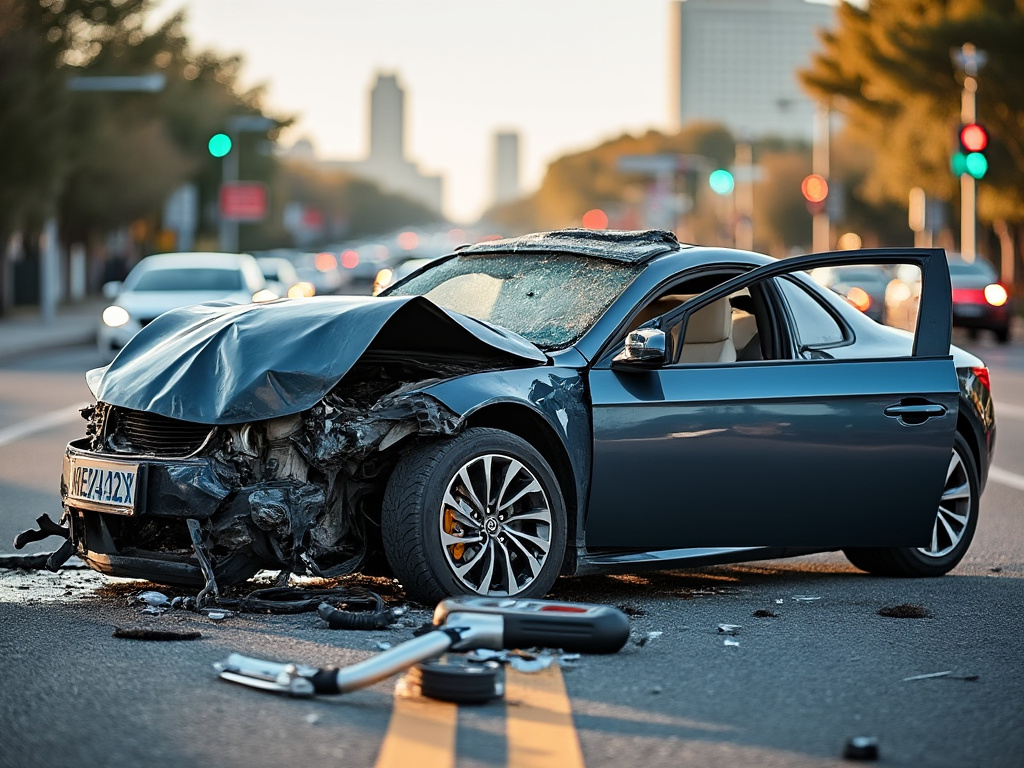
222, 363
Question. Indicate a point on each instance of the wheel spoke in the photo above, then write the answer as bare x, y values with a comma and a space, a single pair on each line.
462, 570
535, 564
470, 490
538, 513
533, 487
954, 463
949, 529
512, 583
957, 492
510, 473
935, 537
520, 536
488, 461
458, 507
448, 539
962, 519
485, 581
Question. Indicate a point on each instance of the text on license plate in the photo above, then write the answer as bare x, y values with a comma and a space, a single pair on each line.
104, 483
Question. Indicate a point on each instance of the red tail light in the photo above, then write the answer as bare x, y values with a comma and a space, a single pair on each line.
981, 374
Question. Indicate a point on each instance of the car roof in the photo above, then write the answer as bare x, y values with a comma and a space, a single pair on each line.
192, 260
635, 247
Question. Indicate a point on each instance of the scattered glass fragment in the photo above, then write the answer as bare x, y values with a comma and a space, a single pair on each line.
729, 641
806, 598
728, 629
930, 675
154, 598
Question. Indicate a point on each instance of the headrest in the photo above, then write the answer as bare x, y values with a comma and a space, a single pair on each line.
710, 325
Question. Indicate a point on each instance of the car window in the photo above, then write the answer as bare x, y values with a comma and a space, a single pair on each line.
550, 299
198, 279
815, 325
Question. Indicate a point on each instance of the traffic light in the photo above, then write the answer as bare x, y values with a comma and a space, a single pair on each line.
972, 141
721, 182
219, 144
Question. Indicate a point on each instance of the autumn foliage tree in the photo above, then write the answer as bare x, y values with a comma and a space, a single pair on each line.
887, 67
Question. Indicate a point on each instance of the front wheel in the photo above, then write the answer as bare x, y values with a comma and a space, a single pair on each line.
952, 531
480, 514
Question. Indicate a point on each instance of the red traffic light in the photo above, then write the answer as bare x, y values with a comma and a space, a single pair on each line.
973, 137
814, 188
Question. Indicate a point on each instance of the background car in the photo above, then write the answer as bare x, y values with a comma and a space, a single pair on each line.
862, 285
561, 403
980, 301
283, 279
166, 281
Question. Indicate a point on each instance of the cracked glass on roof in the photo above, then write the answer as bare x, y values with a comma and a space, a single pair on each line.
550, 299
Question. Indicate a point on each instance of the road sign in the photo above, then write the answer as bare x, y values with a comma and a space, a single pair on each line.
243, 201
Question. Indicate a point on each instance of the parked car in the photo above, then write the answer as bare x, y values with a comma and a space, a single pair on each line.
561, 403
980, 302
170, 280
391, 275
282, 278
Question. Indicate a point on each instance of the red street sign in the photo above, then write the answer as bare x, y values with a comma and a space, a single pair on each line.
243, 201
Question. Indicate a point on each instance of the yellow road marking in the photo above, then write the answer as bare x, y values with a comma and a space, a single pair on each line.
421, 732
539, 725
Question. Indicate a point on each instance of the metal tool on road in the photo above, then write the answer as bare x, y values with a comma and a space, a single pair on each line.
462, 624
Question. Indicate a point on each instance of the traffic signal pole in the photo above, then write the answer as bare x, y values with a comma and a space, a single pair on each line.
968, 185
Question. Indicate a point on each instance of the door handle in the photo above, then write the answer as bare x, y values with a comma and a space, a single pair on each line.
915, 413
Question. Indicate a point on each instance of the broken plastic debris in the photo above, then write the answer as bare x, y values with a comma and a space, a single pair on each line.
729, 629
730, 641
383, 646
536, 664
806, 598
216, 615
157, 599
779, 601
930, 675
861, 748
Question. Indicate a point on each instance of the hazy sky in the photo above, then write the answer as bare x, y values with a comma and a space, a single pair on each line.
565, 74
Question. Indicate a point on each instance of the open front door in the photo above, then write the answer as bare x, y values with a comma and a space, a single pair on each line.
839, 438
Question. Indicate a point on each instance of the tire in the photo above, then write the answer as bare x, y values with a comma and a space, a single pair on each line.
441, 541
952, 531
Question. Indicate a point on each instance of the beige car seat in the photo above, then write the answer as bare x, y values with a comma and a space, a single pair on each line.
709, 335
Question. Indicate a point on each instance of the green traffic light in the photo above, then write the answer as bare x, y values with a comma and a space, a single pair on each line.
976, 164
220, 144
721, 182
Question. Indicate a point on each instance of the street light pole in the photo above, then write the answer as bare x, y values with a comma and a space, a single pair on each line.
820, 162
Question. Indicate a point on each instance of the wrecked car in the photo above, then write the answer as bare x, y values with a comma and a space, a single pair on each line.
567, 402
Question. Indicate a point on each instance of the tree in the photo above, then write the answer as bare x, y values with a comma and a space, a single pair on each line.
887, 67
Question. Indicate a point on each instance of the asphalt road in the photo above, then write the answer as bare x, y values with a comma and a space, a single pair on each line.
787, 691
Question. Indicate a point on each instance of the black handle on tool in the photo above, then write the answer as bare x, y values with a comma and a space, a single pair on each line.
577, 627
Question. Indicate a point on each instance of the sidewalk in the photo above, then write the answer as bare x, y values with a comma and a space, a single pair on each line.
24, 331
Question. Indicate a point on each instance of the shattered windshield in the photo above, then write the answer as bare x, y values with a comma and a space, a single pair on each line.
549, 299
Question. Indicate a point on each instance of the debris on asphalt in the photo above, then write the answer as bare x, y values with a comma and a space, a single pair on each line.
631, 610
905, 611
733, 643
646, 638
383, 646
762, 613
729, 629
656, 689
153, 598
218, 615
806, 598
948, 675
312, 718
861, 748
142, 633
997, 569
536, 664
779, 601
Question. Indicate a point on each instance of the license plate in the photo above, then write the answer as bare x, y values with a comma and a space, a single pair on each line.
106, 486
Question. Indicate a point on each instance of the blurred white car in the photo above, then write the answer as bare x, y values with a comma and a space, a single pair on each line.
283, 279
170, 280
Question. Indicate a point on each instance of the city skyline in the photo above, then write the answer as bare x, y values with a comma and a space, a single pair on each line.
565, 76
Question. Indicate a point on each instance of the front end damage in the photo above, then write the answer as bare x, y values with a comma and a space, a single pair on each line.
211, 505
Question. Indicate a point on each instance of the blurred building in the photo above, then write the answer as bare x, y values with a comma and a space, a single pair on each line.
735, 62
506, 166
386, 164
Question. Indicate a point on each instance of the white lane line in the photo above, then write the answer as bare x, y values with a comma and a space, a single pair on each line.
41, 423
1001, 476
1010, 411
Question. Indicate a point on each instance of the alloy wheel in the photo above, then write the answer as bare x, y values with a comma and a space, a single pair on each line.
496, 525
954, 510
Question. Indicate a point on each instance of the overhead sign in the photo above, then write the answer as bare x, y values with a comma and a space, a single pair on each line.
243, 201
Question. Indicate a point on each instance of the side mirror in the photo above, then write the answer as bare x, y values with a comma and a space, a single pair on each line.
645, 347
111, 289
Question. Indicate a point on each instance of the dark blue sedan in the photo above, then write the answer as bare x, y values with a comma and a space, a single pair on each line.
561, 403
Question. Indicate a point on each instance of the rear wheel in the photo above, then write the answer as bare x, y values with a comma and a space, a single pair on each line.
952, 531
480, 514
